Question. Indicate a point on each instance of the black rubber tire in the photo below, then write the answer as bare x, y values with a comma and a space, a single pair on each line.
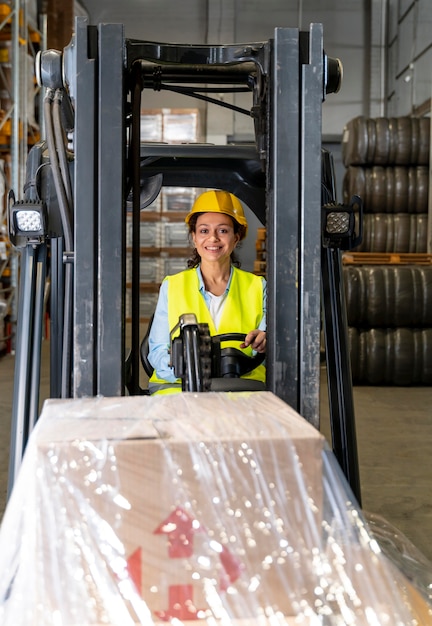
424, 141
386, 141
403, 140
400, 357
382, 141
400, 201
415, 139
355, 142
371, 130
422, 190
388, 296
398, 189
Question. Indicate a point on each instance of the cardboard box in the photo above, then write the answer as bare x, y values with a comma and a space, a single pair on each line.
151, 269
173, 265
195, 486
178, 199
180, 125
150, 233
151, 126
174, 234
220, 508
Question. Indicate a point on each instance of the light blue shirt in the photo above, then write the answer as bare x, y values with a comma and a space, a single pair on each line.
159, 338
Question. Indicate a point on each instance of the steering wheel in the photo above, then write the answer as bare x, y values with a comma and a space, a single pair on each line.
232, 362
205, 365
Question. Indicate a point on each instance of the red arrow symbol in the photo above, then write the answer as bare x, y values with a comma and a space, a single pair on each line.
232, 566
134, 565
181, 604
180, 528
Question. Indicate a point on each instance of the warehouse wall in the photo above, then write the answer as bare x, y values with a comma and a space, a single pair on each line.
409, 59
385, 47
345, 26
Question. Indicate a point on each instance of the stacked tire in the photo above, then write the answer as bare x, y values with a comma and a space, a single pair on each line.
389, 311
387, 165
389, 307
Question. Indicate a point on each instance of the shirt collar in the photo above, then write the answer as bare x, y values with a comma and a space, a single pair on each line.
201, 281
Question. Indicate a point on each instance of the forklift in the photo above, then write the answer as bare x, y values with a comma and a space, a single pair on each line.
70, 223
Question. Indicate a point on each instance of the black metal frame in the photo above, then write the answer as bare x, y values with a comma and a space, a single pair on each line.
28, 352
287, 151
279, 178
335, 326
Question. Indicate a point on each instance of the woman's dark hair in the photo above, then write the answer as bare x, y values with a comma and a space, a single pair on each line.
195, 259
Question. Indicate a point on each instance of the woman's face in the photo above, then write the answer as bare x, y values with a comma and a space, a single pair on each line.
214, 236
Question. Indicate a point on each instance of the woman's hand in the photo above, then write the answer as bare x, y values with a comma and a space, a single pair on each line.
256, 339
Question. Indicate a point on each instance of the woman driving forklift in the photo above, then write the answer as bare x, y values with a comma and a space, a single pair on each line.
213, 287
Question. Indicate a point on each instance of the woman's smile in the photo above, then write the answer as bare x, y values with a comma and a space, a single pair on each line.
214, 236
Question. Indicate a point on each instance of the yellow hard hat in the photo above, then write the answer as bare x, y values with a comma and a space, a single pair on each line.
217, 201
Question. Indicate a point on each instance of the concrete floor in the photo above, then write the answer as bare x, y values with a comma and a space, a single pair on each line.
394, 436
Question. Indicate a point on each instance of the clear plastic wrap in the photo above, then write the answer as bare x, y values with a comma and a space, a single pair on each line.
218, 508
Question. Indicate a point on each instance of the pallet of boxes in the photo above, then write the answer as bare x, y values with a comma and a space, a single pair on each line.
216, 509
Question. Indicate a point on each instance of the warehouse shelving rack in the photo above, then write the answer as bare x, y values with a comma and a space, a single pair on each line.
18, 127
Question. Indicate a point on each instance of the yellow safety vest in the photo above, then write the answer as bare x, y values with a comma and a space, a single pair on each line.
242, 311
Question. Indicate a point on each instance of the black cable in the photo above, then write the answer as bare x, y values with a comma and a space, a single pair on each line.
32, 184
192, 90
61, 148
55, 167
67, 234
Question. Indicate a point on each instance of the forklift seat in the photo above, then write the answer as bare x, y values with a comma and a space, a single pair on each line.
144, 350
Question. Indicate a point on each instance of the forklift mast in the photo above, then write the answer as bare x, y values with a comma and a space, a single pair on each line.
95, 89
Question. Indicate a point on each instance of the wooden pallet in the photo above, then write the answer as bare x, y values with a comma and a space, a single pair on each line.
386, 258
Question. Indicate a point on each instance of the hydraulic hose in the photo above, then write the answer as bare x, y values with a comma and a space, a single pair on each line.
55, 167
61, 149
64, 208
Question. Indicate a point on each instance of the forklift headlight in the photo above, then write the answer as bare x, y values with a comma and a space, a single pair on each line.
27, 220
339, 224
